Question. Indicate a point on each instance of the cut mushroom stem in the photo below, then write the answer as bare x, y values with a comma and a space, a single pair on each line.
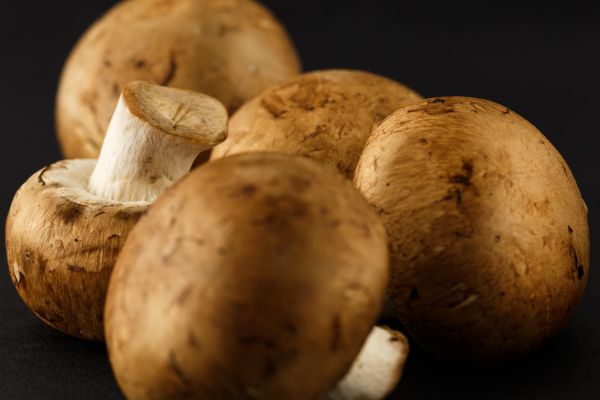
152, 140
377, 369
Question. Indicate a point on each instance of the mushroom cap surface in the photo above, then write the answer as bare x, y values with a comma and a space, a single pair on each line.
256, 276
228, 49
324, 115
62, 243
488, 232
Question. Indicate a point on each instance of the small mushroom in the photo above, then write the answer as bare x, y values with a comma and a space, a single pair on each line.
377, 369
324, 115
489, 236
265, 286
229, 49
67, 223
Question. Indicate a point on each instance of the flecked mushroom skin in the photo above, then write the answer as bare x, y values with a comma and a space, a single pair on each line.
488, 232
60, 253
227, 49
264, 286
325, 115
69, 220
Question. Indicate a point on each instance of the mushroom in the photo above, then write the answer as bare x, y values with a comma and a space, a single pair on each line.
377, 369
264, 286
67, 223
488, 232
228, 49
324, 115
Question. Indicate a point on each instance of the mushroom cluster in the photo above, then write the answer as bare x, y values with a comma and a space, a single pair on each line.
328, 196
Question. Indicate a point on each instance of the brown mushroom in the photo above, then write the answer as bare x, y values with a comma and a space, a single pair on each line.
264, 286
228, 49
323, 115
67, 223
488, 232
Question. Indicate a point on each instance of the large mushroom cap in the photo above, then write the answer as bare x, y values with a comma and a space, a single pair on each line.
324, 115
228, 49
488, 231
256, 276
62, 243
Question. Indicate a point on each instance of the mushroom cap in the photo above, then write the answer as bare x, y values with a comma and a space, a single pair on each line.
228, 49
488, 232
256, 276
61, 245
324, 115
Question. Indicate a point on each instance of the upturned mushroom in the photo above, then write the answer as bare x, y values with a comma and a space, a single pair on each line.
264, 286
227, 49
67, 223
488, 232
325, 115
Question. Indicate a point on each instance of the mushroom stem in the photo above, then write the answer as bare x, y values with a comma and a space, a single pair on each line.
377, 369
152, 140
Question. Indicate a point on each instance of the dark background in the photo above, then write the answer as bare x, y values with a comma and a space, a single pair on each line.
542, 61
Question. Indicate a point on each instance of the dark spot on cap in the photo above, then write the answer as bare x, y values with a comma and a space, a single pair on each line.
69, 212
75, 268
132, 216
27, 257
464, 178
300, 184
580, 272
570, 229
249, 190
254, 340
454, 194
423, 141
139, 64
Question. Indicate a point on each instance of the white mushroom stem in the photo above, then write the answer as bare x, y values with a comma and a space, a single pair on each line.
377, 369
152, 140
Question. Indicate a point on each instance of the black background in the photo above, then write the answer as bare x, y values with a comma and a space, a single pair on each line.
541, 61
